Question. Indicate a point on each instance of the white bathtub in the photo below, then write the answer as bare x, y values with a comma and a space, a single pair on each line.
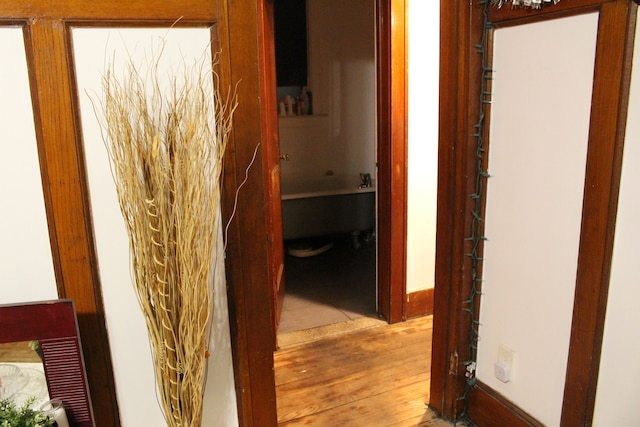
325, 205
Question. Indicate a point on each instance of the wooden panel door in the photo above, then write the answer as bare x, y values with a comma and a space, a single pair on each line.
271, 159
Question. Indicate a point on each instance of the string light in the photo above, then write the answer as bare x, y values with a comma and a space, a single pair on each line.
534, 4
477, 237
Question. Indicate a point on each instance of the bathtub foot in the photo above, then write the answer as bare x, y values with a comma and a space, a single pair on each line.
355, 239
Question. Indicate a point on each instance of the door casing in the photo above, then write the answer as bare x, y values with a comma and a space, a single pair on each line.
250, 300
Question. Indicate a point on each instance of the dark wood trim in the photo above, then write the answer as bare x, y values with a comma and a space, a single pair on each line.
419, 303
616, 33
271, 158
450, 45
516, 15
248, 284
55, 115
383, 51
112, 11
392, 159
461, 29
488, 408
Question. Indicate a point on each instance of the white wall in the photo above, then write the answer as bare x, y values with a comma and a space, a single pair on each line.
130, 349
619, 380
538, 141
341, 48
26, 265
342, 138
424, 48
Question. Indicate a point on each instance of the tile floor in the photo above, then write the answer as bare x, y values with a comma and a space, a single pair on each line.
336, 286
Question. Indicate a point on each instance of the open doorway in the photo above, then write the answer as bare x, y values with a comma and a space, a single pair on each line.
327, 140
252, 273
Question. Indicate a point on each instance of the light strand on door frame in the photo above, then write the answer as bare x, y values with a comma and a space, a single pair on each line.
476, 238
533, 4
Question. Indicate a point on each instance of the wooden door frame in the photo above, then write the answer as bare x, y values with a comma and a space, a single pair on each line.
250, 304
391, 87
461, 26
271, 159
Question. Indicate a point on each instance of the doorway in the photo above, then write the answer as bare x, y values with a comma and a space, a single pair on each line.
327, 149
251, 273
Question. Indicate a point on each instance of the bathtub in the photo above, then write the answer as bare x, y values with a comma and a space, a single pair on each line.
325, 205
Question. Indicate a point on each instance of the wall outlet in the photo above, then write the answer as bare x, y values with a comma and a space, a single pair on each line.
504, 366
505, 355
502, 372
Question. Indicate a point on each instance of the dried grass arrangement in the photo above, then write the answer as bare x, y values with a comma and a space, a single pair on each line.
166, 148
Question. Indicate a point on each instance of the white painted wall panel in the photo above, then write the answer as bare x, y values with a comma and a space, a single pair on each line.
341, 49
130, 349
26, 265
538, 141
423, 77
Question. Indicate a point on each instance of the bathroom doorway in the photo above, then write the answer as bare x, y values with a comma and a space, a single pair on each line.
327, 140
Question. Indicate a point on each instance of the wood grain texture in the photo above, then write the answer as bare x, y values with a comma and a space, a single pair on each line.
66, 200
18, 352
419, 303
247, 262
271, 158
373, 377
392, 158
444, 291
609, 102
117, 11
488, 408
460, 70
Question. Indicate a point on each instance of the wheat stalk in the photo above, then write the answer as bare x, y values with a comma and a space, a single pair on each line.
166, 149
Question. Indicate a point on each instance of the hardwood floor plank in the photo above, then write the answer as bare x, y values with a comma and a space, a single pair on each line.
392, 407
352, 360
374, 377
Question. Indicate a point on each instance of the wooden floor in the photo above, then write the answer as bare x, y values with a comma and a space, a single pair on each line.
373, 377
18, 352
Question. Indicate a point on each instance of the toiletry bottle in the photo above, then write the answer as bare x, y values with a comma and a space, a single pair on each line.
289, 101
304, 101
309, 103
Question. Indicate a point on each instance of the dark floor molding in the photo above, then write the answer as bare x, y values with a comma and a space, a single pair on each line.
488, 408
419, 303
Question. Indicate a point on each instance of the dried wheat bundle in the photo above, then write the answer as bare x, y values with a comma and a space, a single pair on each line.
166, 148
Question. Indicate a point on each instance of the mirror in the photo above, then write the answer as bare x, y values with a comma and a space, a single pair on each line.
290, 22
22, 373
42, 337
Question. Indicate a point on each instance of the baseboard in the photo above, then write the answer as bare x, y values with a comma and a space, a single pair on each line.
488, 408
419, 303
